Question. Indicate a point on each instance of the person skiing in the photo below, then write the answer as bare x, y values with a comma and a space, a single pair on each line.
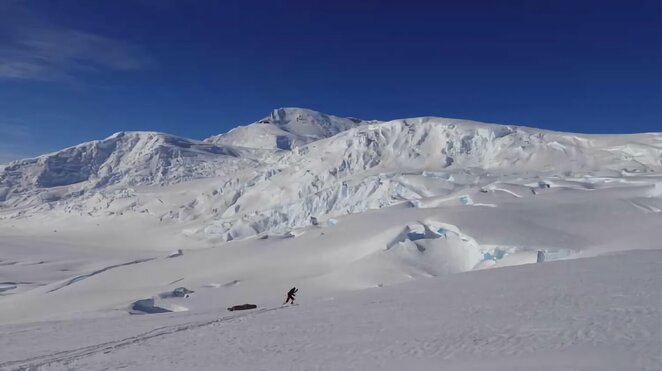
290, 295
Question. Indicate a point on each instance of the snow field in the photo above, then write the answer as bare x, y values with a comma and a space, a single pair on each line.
389, 229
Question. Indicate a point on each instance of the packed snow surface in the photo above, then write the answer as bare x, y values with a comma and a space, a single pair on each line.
125, 252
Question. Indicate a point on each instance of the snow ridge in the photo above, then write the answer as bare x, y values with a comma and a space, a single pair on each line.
125, 158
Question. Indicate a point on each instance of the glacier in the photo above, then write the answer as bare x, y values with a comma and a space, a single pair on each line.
341, 166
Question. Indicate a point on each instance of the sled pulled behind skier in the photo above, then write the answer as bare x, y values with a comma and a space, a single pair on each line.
242, 307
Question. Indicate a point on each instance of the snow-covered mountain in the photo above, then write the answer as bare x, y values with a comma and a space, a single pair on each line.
127, 224
379, 165
354, 167
286, 128
123, 159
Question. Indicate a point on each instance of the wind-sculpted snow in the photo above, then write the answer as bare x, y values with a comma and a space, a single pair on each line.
436, 249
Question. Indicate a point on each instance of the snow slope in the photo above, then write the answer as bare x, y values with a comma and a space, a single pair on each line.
587, 314
125, 158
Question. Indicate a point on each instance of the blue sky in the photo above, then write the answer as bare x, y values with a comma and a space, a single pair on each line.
72, 71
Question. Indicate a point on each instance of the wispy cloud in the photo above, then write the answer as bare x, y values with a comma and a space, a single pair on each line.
47, 53
8, 156
14, 142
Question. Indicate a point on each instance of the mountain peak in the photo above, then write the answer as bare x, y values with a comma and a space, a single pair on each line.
286, 128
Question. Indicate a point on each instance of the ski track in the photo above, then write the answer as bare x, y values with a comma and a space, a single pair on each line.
648, 209
68, 356
88, 275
